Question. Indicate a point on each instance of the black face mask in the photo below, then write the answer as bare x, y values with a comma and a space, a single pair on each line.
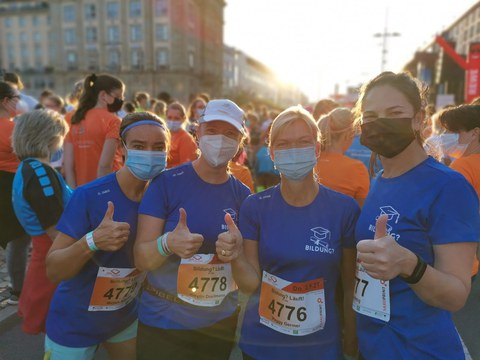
115, 106
387, 136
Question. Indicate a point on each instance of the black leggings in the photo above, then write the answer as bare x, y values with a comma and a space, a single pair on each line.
210, 343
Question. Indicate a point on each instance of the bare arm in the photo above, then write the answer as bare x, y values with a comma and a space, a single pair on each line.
69, 165
350, 345
246, 268
106, 158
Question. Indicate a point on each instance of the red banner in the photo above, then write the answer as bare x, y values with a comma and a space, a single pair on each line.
472, 75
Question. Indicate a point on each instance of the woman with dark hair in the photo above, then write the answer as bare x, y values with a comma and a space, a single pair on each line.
416, 235
195, 110
96, 300
12, 235
91, 146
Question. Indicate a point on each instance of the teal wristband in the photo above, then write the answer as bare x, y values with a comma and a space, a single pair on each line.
161, 241
90, 243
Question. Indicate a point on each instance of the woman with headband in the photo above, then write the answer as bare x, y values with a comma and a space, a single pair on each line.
92, 256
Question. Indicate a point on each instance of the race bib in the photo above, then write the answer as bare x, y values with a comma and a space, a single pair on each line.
115, 288
204, 280
292, 308
371, 296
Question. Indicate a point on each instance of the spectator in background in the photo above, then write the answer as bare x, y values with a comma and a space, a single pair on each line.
12, 235
74, 96
334, 169
42, 97
241, 172
204, 96
54, 102
184, 147
323, 107
160, 109
265, 173
195, 110
164, 96
142, 101
92, 147
128, 107
26, 103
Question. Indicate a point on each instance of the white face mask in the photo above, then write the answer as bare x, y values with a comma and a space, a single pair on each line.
454, 149
173, 125
218, 150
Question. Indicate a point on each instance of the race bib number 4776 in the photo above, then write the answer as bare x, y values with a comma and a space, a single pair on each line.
292, 308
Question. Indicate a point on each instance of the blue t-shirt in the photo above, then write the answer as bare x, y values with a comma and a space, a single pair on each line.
39, 196
206, 205
297, 244
428, 205
69, 322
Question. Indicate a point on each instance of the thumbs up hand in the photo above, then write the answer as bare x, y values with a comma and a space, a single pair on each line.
229, 243
111, 235
181, 241
383, 258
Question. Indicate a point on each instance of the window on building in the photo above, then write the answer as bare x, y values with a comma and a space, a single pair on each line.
90, 11
11, 54
24, 51
8, 22
35, 20
37, 37
135, 8
162, 32
70, 37
69, 13
137, 59
161, 7
135, 33
23, 37
113, 34
38, 56
113, 59
22, 21
162, 58
113, 10
92, 60
72, 60
91, 33
10, 38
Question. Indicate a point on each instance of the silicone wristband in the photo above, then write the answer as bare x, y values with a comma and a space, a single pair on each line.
417, 273
90, 242
161, 247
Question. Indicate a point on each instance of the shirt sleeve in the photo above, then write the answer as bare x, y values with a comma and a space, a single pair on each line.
75, 221
155, 200
45, 196
349, 223
113, 128
249, 223
454, 215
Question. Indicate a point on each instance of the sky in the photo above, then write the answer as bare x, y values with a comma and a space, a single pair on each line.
317, 44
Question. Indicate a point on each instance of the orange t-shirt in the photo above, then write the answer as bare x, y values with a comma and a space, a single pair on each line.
183, 148
469, 166
242, 173
343, 174
88, 137
8, 160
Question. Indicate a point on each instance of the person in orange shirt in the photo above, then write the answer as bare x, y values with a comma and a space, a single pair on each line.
335, 170
241, 172
12, 234
92, 146
464, 121
184, 147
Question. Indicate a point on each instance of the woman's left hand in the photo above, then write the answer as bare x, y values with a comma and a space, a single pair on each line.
383, 258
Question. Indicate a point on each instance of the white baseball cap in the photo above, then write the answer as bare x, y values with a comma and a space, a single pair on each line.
224, 110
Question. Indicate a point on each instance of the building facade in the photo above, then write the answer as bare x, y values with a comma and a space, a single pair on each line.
436, 68
173, 46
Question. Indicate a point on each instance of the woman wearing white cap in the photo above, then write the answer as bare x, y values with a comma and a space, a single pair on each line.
188, 308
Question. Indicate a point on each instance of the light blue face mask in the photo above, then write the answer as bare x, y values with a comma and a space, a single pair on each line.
295, 163
145, 165
173, 125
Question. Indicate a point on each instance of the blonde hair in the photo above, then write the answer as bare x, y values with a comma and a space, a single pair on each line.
290, 115
333, 125
37, 133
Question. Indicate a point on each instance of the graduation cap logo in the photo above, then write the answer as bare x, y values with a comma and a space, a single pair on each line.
390, 212
321, 236
232, 213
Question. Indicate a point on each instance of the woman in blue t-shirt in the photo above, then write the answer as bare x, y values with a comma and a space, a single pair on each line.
298, 242
95, 302
188, 309
416, 235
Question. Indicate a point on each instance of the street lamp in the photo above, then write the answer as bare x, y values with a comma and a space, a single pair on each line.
385, 35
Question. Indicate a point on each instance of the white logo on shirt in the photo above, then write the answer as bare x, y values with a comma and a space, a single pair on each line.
233, 215
320, 238
393, 216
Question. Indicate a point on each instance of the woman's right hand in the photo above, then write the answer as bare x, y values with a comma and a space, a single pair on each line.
181, 241
111, 235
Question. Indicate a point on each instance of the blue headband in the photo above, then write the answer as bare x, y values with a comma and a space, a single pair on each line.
142, 122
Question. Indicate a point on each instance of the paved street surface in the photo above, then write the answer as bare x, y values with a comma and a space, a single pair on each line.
15, 345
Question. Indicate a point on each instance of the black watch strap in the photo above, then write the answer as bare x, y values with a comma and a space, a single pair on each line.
417, 272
